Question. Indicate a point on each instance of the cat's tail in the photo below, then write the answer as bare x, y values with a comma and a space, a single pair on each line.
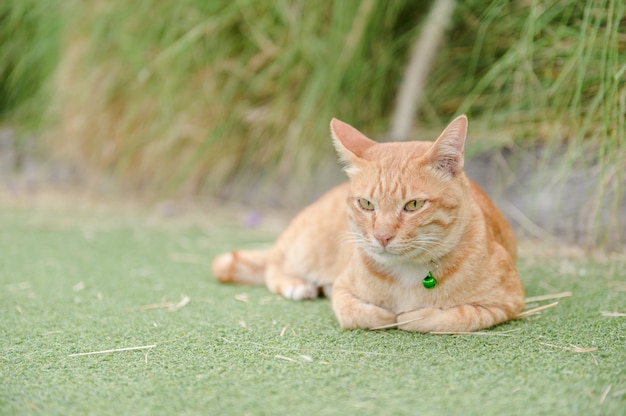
245, 267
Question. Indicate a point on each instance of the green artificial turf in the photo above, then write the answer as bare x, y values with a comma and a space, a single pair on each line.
74, 282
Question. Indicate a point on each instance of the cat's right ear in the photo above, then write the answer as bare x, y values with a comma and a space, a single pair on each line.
350, 143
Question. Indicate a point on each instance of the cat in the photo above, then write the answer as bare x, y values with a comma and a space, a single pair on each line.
409, 242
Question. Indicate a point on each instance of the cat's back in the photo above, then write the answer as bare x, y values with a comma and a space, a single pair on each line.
321, 219
496, 224
327, 212
317, 242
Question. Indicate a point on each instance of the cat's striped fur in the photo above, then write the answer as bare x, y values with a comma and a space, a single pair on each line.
408, 209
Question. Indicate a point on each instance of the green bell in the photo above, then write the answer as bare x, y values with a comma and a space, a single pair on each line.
429, 281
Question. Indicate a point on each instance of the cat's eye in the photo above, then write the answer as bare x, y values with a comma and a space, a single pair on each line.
413, 205
366, 205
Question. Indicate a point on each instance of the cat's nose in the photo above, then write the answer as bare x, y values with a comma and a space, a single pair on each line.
384, 239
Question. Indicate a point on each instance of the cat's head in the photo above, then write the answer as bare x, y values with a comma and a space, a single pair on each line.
407, 199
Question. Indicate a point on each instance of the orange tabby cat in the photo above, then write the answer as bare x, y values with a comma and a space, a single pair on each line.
409, 242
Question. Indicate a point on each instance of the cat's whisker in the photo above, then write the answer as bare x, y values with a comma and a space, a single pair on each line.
432, 242
437, 245
427, 243
350, 237
349, 241
430, 249
429, 252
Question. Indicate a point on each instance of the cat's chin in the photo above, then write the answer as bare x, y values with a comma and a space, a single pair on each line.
389, 257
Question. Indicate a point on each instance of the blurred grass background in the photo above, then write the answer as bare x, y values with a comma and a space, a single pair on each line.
213, 98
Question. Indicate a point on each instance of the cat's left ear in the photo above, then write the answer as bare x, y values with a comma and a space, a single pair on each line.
446, 154
350, 143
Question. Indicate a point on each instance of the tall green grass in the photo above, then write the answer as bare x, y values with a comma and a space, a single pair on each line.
551, 72
29, 50
191, 96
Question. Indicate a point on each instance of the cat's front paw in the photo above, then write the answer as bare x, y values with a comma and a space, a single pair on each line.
353, 312
364, 316
421, 320
461, 318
